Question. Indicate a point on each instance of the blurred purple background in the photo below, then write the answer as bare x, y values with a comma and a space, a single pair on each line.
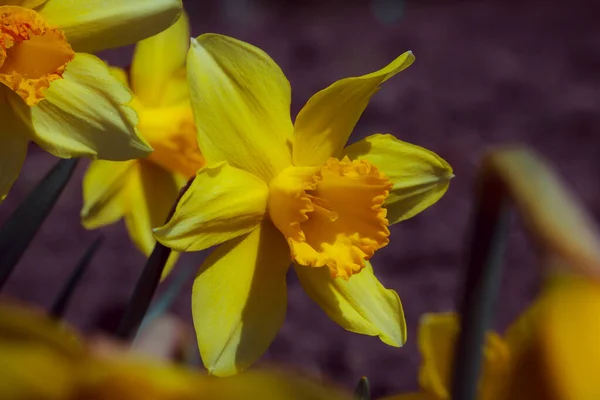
487, 73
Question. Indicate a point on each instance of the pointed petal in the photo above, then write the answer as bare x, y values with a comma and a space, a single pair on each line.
94, 25
104, 192
420, 176
239, 299
222, 203
157, 60
324, 125
360, 304
151, 192
13, 148
85, 114
241, 102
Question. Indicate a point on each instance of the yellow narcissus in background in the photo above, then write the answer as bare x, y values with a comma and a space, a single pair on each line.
143, 191
437, 337
276, 192
550, 353
44, 360
68, 102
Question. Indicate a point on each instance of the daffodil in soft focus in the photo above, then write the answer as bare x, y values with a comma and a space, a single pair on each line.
275, 192
550, 352
66, 101
42, 359
143, 191
437, 337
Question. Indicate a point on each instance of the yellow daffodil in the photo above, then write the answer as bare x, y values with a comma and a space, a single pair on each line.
65, 101
143, 191
44, 360
550, 353
274, 192
437, 337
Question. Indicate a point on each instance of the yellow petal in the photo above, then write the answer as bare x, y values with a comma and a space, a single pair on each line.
94, 25
569, 338
120, 74
239, 300
222, 203
241, 102
526, 371
32, 371
151, 193
360, 304
13, 145
85, 114
157, 60
324, 124
20, 325
420, 176
105, 192
23, 3
437, 337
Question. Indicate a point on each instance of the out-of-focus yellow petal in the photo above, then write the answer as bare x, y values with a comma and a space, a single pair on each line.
94, 25
20, 325
324, 124
437, 337
157, 60
13, 146
33, 371
176, 91
239, 299
569, 332
23, 3
120, 74
360, 304
241, 102
105, 192
85, 114
222, 203
151, 193
420, 176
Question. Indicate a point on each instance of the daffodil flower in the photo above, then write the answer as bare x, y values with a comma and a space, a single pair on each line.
436, 338
143, 191
274, 192
550, 352
65, 101
44, 360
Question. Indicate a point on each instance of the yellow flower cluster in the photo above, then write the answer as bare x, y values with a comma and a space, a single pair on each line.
195, 148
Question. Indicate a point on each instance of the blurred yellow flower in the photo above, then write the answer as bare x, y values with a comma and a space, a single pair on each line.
274, 192
437, 336
44, 360
68, 102
143, 191
550, 353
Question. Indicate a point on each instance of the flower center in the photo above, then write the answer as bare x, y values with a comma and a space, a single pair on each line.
172, 134
331, 215
32, 54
